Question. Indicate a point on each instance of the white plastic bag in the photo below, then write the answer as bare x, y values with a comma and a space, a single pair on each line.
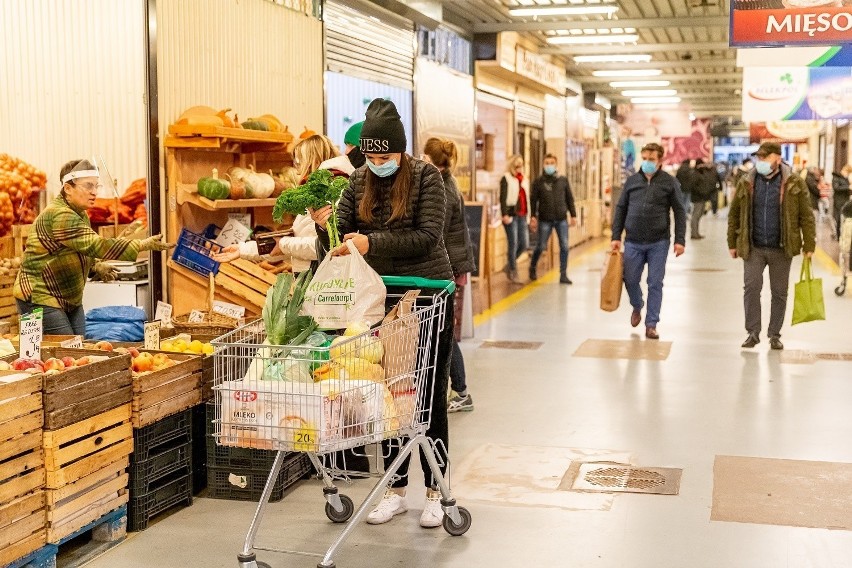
345, 290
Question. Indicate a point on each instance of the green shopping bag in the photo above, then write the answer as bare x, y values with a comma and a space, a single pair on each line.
808, 304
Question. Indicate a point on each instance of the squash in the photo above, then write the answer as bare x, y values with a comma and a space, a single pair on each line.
279, 186
262, 184
238, 188
226, 120
203, 120
307, 133
272, 121
252, 124
213, 187
200, 110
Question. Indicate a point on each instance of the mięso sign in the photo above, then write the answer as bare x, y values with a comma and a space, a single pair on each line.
790, 22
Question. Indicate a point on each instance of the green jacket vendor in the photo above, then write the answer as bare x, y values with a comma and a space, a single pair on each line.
63, 251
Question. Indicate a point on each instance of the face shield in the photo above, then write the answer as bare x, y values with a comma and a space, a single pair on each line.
93, 175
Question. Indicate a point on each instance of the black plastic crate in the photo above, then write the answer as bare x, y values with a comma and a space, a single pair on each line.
241, 484
148, 440
199, 448
171, 456
227, 456
172, 490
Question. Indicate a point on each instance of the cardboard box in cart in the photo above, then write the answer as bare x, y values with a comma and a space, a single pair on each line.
306, 417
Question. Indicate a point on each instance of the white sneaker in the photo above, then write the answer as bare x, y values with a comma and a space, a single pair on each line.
433, 514
392, 504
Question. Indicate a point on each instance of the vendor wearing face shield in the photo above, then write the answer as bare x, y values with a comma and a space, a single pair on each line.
63, 251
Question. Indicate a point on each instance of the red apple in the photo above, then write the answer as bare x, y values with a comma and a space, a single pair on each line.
21, 364
54, 364
68, 362
81, 362
103, 346
143, 363
134, 353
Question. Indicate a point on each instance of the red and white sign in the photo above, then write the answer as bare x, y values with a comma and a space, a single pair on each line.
800, 22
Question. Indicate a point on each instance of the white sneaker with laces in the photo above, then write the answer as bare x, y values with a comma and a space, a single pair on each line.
433, 514
392, 504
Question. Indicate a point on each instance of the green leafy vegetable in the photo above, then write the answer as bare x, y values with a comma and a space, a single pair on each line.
284, 325
322, 188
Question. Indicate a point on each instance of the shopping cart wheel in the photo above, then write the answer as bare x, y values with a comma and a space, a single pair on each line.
461, 528
840, 290
340, 516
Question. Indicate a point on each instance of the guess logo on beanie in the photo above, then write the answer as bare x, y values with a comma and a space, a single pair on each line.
374, 145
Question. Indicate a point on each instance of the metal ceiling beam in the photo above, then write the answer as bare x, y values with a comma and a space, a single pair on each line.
683, 22
683, 77
640, 48
660, 64
705, 99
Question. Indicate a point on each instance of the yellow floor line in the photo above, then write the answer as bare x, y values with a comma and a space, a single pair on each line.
513, 299
826, 261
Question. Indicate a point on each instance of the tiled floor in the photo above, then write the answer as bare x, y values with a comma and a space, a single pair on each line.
707, 398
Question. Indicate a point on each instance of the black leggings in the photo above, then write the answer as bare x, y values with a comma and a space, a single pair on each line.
438, 426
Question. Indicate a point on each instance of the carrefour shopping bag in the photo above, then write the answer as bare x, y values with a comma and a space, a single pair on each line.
612, 277
808, 304
345, 290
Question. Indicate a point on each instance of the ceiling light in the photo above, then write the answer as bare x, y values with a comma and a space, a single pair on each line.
650, 93
628, 73
654, 100
564, 11
623, 58
631, 84
593, 39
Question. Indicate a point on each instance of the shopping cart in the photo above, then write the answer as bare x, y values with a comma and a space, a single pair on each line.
369, 388
845, 246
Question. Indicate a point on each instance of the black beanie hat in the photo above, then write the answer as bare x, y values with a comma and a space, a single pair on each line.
382, 131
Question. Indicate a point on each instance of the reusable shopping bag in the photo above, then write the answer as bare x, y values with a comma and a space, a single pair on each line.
345, 290
400, 334
612, 277
808, 304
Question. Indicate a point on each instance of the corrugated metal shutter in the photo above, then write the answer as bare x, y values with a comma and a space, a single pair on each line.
73, 76
362, 46
483, 97
529, 114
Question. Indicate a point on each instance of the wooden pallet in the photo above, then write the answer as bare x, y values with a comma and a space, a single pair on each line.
84, 392
84, 448
93, 539
22, 527
70, 514
168, 391
94, 510
21, 421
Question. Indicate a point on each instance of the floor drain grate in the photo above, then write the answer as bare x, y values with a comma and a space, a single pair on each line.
519, 345
627, 479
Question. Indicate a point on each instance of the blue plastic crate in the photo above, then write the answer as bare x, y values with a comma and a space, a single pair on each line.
194, 252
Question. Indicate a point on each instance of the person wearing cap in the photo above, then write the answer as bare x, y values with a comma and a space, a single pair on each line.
63, 251
394, 213
643, 215
352, 142
769, 222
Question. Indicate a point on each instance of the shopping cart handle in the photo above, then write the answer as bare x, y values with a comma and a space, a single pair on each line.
414, 282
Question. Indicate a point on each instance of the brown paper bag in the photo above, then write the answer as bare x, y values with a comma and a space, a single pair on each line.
612, 281
400, 335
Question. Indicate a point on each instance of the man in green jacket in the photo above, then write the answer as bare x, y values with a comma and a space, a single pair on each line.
770, 222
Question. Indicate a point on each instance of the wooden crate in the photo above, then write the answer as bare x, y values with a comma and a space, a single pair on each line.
84, 392
8, 307
20, 234
22, 527
21, 421
168, 391
86, 447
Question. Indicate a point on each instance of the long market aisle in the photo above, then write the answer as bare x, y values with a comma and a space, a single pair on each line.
535, 407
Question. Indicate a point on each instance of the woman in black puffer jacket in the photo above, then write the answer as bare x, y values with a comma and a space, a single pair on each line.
443, 155
840, 186
394, 213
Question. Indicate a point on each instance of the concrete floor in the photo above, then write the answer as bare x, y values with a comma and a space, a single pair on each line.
709, 398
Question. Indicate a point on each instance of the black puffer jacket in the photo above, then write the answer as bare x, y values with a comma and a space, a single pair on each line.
411, 246
456, 235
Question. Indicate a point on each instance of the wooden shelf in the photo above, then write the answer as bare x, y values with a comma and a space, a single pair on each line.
180, 132
186, 194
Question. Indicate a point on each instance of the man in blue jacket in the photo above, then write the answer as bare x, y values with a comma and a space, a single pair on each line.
643, 213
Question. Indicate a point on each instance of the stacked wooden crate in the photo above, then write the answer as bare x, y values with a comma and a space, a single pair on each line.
87, 440
168, 391
22, 474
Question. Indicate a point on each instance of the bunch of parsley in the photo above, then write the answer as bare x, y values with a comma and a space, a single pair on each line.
322, 188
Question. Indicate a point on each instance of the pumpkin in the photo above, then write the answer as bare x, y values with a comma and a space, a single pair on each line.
213, 187
252, 124
226, 120
203, 120
238, 188
307, 133
272, 122
264, 184
249, 180
200, 110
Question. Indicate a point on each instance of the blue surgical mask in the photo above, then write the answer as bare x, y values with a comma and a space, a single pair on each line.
763, 168
550, 170
387, 169
649, 167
